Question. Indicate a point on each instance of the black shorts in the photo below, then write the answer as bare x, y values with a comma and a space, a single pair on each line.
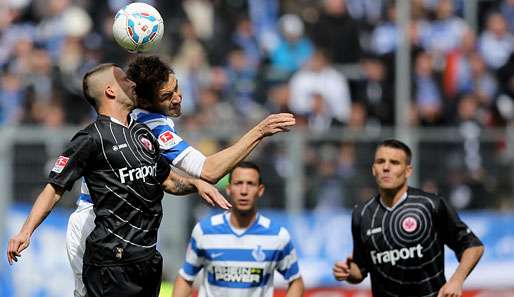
141, 279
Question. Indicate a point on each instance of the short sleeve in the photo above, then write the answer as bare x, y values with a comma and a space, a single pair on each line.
288, 260
455, 233
359, 249
163, 169
194, 256
74, 161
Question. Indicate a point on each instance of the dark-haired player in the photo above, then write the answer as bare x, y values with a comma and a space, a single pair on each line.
399, 235
158, 99
239, 251
126, 174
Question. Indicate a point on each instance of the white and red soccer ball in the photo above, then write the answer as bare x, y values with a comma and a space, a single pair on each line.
138, 27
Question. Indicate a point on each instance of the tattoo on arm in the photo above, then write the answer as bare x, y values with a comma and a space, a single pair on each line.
181, 185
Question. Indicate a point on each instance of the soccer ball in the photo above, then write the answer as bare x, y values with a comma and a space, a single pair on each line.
138, 27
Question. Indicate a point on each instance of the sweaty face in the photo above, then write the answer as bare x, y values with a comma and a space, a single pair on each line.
170, 98
126, 86
390, 168
244, 189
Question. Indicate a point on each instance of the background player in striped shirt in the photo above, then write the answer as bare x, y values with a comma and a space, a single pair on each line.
240, 250
399, 235
158, 99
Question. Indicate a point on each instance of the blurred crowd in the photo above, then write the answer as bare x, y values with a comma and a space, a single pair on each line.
330, 62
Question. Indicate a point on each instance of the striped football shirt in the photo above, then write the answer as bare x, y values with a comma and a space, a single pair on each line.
239, 264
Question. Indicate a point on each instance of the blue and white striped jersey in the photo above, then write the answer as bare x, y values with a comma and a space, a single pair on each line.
175, 149
239, 264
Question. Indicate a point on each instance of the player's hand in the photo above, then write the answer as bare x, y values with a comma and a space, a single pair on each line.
341, 269
274, 123
452, 288
211, 195
16, 245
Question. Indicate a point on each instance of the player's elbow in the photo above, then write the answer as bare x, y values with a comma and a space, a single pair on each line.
210, 174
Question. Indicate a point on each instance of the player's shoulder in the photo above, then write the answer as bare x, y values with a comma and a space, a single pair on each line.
362, 206
433, 199
266, 226
213, 224
151, 119
87, 133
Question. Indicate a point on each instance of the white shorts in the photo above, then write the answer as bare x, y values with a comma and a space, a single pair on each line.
80, 225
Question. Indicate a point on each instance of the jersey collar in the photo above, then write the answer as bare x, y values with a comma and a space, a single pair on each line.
404, 196
226, 218
109, 118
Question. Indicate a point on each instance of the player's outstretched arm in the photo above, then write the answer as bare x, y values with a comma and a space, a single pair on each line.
218, 164
180, 185
182, 287
44, 204
347, 271
295, 288
468, 261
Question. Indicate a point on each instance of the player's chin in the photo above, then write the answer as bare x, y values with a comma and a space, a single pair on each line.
176, 112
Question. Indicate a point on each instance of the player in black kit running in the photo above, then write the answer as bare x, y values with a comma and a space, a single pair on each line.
399, 235
125, 173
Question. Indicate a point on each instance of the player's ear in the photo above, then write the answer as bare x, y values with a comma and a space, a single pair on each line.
373, 170
408, 170
109, 92
260, 191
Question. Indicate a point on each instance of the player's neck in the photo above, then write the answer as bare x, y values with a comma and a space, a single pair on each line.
391, 197
117, 112
242, 219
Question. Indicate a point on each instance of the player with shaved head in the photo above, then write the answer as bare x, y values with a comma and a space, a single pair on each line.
125, 173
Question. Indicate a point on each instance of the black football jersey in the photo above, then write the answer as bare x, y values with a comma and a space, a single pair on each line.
123, 170
402, 248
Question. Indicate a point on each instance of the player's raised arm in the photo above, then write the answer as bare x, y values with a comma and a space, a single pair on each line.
42, 207
180, 185
218, 164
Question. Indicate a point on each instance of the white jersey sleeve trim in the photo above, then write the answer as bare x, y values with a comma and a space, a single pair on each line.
191, 161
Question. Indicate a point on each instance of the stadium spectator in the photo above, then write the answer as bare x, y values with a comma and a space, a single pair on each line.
385, 36
375, 91
405, 255
318, 76
496, 42
190, 62
427, 91
444, 33
243, 237
337, 33
293, 48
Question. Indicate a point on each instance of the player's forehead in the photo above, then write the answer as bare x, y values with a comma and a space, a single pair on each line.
118, 73
245, 174
390, 153
170, 85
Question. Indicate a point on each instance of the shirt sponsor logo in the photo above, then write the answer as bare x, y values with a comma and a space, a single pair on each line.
60, 163
409, 224
392, 256
238, 274
137, 173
